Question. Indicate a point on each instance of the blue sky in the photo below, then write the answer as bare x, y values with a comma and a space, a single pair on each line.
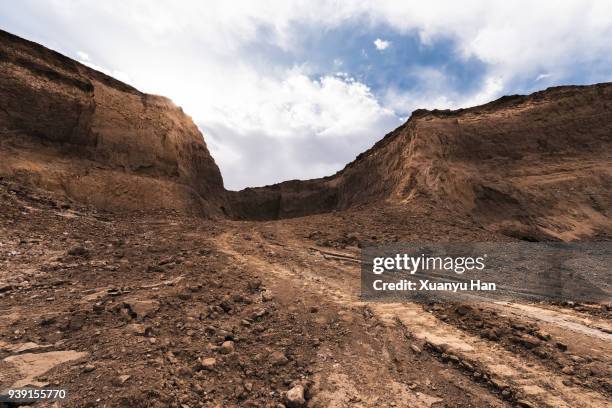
296, 89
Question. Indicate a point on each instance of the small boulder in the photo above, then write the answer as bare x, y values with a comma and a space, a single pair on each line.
278, 358
120, 380
78, 251
294, 398
136, 329
141, 308
227, 347
209, 363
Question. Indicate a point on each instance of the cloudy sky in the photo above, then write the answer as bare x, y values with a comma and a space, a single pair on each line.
296, 89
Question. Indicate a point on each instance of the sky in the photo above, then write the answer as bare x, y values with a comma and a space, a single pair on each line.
296, 89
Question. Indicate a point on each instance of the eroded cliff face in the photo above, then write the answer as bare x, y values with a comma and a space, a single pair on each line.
71, 129
534, 167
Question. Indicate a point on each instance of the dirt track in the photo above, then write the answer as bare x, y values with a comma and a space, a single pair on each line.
171, 311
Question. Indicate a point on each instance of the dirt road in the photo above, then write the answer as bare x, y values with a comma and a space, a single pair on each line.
166, 310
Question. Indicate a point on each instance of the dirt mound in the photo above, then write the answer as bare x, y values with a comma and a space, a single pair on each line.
73, 130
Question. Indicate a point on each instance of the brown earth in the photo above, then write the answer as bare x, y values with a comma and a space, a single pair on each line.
130, 277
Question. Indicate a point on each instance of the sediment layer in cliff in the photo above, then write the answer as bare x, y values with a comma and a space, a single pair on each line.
73, 130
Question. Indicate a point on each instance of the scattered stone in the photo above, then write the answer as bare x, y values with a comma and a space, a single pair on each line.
78, 251
491, 335
462, 310
254, 285
542, 335
499, 384
577, 359
141, 308
137, 329
120, 380
561, 346
415, 348
6, 287
278, 358
98, 307
209, 363
258, 314
89, 368
295, 397
568, 370
528, 341
47, 320
467, 365
267, 296
227, 347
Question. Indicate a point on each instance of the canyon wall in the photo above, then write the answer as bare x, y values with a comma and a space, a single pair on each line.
76, 131
534, 167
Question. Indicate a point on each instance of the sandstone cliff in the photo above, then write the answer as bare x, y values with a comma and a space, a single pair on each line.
74, 130
534, 167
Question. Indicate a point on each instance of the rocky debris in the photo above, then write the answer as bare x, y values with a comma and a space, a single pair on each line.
6, 287
227, 347
542, 335
278, 358
209, 363
79, 251
121, 380
528, 341
141, 309
137, 329
254, 285
294, 398
415, 348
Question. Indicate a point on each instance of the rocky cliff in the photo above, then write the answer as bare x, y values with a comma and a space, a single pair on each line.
74, 130
534, 167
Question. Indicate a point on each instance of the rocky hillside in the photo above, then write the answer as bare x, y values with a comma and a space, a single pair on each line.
73, 130
533, 167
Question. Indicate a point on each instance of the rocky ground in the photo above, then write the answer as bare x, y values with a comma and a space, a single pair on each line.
167, 310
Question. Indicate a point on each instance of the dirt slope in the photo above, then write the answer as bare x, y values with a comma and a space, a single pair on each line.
163, 310
73, 130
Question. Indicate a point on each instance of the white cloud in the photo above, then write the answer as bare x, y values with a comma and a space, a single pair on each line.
542, 76
313, 127
82, 56
381, 44
281, 122
84, 59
